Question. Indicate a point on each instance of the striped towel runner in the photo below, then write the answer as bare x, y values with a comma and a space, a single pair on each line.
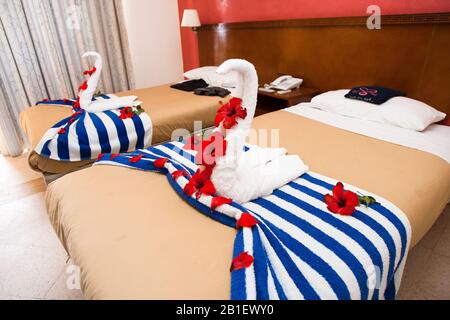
297, 249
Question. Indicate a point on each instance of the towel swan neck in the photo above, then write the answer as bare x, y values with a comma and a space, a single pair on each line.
87, 94
92, 82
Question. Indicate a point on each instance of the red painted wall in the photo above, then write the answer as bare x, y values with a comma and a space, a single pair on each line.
216, 11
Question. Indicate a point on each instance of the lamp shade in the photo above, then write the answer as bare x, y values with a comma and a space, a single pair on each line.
190, 18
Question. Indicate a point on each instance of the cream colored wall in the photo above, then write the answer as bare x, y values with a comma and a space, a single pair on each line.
154, 38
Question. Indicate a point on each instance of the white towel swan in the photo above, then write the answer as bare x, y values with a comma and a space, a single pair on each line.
245, 176
99, 106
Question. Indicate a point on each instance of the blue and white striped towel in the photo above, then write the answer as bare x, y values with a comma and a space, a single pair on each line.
300, 249
87, 135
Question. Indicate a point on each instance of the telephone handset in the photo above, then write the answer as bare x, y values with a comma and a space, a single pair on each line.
285, 82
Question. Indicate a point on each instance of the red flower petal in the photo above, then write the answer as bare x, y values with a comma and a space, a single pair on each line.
219, 118
179, 173
346, 211
334, 207
218, 201
338, 190
90, 72
246, 221
113, 156
234, 102
83, 86
159, 163
351, 198
328, 198
136, 158
62, 131
189, 189
100, 156
243, 260
208, 188
241, 113
229, 122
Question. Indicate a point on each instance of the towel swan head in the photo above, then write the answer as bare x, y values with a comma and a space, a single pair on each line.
87, 94
247, 88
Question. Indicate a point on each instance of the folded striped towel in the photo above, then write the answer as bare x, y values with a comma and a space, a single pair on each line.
85, 135
295, 248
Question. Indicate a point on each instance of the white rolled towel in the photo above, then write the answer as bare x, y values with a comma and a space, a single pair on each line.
257, 174
113, 103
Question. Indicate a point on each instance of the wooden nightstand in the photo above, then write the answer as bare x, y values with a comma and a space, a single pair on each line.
269, 102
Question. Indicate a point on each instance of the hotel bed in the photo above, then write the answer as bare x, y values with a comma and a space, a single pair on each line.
168, 108
134, 238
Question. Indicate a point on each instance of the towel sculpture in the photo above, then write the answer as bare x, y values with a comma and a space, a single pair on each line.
99, 123
308, 239
244, 176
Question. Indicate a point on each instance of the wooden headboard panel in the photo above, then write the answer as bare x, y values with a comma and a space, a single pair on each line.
409, 53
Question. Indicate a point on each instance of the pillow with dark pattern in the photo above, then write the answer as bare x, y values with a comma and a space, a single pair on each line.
372, 94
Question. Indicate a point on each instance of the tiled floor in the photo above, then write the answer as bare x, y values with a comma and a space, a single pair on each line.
32, 260
33, 263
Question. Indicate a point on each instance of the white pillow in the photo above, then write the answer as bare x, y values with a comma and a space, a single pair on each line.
398, 111
409, 113
209, 74
335, 102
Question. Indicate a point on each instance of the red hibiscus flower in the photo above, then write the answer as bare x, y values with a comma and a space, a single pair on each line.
126, 113
207, 150
228, 113
90, 72
244, 260
341, 201
200, 183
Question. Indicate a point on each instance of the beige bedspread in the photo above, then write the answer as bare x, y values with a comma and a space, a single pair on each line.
168, 108
134, 238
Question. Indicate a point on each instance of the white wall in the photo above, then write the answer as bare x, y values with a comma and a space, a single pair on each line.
155, 43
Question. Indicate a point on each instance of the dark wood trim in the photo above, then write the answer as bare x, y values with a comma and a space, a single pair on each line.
409, 53
426, 18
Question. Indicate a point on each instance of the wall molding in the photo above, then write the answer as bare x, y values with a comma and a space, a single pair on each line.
399, 19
